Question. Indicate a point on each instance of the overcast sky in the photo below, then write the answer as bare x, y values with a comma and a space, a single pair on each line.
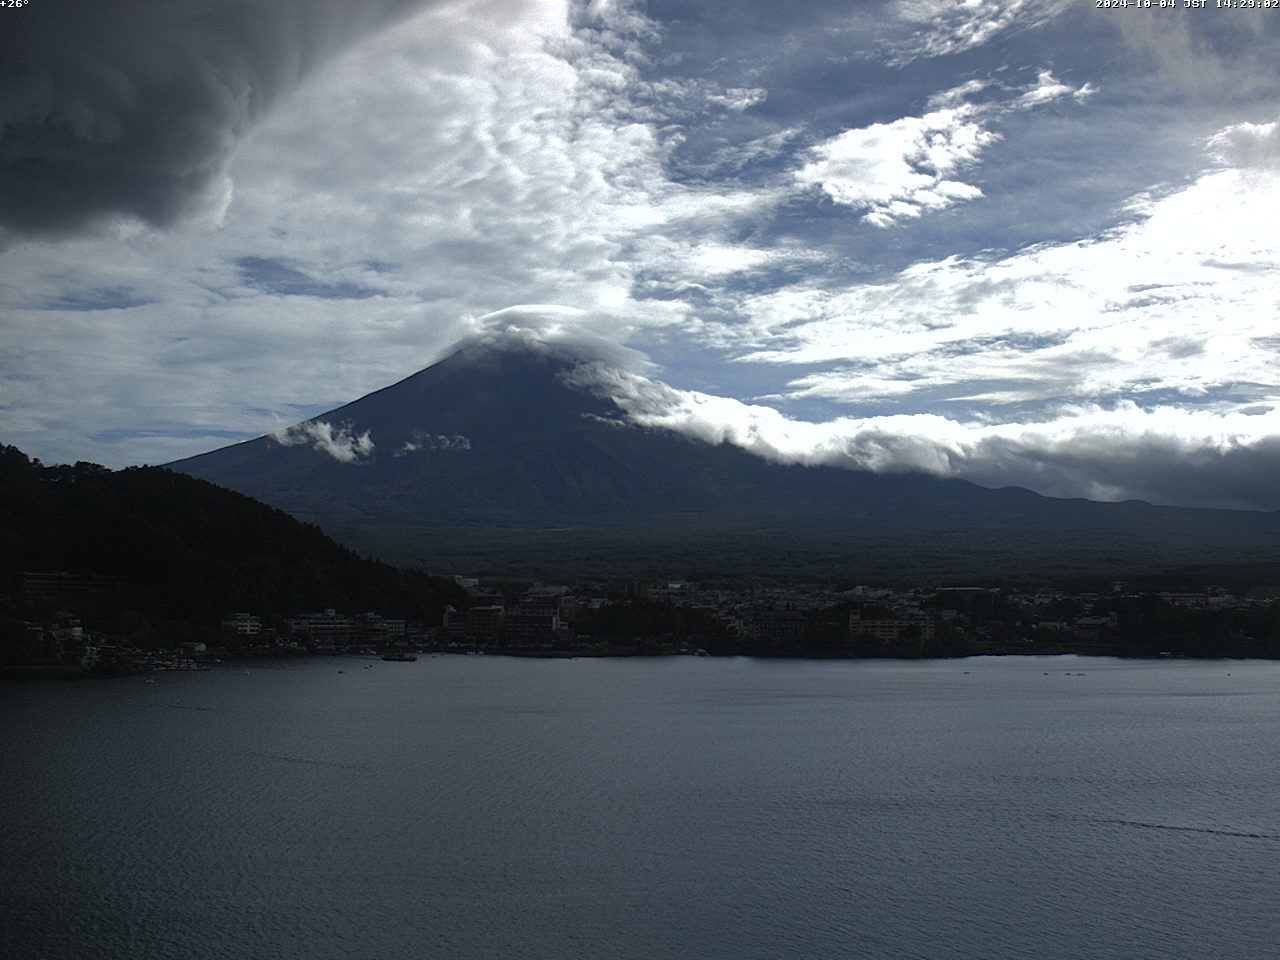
1024, 242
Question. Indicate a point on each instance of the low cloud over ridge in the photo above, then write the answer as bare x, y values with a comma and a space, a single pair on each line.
1162, 455
338, 441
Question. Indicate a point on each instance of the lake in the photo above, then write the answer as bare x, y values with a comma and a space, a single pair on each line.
489, 807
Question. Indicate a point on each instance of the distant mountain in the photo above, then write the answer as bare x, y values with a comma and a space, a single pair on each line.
494, 451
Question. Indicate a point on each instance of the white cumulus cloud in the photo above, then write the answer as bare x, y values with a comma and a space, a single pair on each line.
1181, 300
1248, 146
902, 169
899, 170
338, 441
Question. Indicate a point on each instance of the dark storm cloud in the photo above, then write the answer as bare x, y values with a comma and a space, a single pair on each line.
135, 107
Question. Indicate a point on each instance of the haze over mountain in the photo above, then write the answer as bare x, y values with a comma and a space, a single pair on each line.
511, 443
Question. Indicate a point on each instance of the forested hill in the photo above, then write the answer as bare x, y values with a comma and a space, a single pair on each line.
185, 549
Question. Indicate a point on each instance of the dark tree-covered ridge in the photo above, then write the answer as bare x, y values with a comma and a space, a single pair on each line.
186, 549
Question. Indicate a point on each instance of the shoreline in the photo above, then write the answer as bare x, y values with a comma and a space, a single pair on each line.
34, 673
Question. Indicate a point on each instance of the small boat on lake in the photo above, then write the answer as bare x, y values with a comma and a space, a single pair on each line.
400, 657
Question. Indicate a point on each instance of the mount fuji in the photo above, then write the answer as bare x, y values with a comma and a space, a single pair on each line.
508, 449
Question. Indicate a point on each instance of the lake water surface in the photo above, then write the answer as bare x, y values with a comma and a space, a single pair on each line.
485, 807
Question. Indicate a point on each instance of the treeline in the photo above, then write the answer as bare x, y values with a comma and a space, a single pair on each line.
1148, 625
184, 550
